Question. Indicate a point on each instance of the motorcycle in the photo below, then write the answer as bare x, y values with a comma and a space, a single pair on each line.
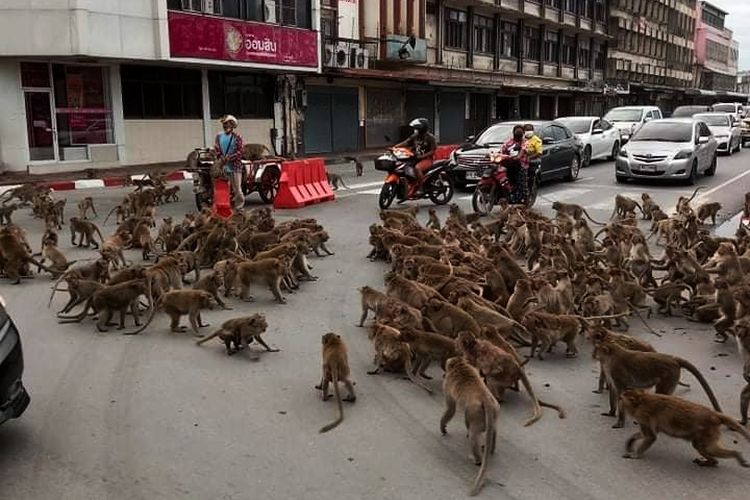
261, 175
399, 164
495, 186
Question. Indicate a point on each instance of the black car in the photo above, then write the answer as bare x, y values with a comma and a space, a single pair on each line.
561, 157
13, 396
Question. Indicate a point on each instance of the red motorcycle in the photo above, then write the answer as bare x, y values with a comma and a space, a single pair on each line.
495, 186
399, 164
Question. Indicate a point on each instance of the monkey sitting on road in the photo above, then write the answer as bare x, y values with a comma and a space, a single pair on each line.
679, 418
240, 332
392, 354
335, 370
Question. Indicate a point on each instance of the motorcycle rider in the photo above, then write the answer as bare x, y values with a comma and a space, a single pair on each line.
423, 143
516, 149
228, 145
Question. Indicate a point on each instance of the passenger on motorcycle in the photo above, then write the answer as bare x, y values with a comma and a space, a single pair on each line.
518, 163
423, 143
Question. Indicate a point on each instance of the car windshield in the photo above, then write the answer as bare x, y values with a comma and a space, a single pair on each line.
577, 125
714, 120
687, 111
498, 134
724, 108
664, 131
624, 115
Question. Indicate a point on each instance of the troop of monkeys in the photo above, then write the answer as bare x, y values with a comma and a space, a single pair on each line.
248, 248
457, 296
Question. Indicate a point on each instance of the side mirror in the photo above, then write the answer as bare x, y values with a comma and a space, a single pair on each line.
597, 131
703, 139
647, 119
471, 138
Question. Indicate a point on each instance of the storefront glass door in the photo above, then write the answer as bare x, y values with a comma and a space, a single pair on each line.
40, 126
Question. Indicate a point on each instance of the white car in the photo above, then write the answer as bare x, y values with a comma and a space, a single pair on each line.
725, 129
600, 138
628, 119
734, 108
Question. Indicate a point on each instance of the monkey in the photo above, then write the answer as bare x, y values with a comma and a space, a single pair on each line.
408, 291
427, 347
121, 211
240, 332
642, 370
6, 211
743, 345
112, 249
463, 386
599, 334
679, 418
318, 242
127, 274
112, 298
359, 168
507, 327
86, 230
450, 320
434, 221
683, 203
392, 354
648, 205
211, 284
268, 271
170, 194
707, 210
726, 263
552, 328
142, 239
372, 300
727, 305
625, 207
80, 291
178, 303
85, 205
335, 180
59, 263
254, 152
165, 230
188, 262
15, 254
667, 295
573, 210
335, 370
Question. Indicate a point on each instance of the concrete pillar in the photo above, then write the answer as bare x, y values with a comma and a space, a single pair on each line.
557, 107
208, 139
537, 106
118, 117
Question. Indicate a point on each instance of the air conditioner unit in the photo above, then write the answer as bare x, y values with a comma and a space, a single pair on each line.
269, 14
329, 53
342, 56
359, 58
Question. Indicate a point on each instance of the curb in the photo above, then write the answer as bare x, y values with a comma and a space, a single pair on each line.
180, 175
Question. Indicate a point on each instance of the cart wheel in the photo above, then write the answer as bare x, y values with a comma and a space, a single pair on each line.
269, 184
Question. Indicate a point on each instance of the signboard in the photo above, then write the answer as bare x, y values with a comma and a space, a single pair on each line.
348, 12
406, 49
207, 37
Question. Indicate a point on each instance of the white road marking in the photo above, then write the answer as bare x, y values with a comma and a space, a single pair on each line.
703, 196
89, 183
365, 185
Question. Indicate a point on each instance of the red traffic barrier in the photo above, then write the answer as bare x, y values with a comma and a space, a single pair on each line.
303, 182
443, 152
222, 204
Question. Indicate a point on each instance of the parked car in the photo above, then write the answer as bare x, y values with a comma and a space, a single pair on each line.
13, 396
673, 148
725, 130
627, 119
599, 137
744, 125
689, 111
737, 109
561, 158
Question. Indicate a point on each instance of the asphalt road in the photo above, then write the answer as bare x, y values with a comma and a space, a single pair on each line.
155, 416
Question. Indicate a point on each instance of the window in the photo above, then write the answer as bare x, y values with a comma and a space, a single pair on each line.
551, 46
600, 11
713, 19
569, 5
716, 51
455, 29
509, 39
483, 30
153, 92
531, 43
240, 94
584, 55
554, 3
583, 8
569, 50
599, 57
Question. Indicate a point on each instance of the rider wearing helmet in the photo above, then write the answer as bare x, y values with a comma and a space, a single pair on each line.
228, 145
423, 143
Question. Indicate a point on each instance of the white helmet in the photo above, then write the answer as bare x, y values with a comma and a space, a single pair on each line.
229, 119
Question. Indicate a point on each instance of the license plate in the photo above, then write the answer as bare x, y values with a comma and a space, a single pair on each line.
648, 168
472, 176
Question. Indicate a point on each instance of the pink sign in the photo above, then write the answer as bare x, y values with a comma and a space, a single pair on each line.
208, 37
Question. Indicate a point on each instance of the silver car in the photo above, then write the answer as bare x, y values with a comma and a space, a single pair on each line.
674, 148
725, 129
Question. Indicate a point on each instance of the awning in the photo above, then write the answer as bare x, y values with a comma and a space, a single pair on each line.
700, 92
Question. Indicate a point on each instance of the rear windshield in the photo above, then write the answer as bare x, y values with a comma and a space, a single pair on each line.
688, 111
664, 132
724, 108
714, 120
577, 125
499, 134
624, 115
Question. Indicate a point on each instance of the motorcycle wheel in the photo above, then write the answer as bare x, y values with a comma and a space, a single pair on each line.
202, 200
387, 195
533, 191
483, 200
441, 189
269, 184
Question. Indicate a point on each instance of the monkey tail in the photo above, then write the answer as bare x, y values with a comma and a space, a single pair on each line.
54, 289
648, 327
537, 411
704, 383
592, 220
490, 412
208, 337
335, 423
54, 272
639, 208
560, 412
734, 425
694, 193
110, 214
79, 318
152, 313
409, 369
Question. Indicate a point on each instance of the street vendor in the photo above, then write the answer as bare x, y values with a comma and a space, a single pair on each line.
228, 145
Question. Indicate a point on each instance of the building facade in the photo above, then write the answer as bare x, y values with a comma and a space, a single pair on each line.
109, 83
651, 57
461, 63
716, 52
743, 84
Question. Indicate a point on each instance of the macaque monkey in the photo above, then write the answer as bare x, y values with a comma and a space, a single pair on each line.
463, 385
743, 345
626, 369
683, 203
87, 230
427, 347
679, 418
211, 284
392, 354
85, 205
59, 263
335, 370
707, 210
625, 207
15, 254
433, 222
178, 303
6, 211
165, 230
359, 168
268, 271
80, 290
254, 152
335, 180
114, 298
240, 332
649, 205
170, 194
573, 210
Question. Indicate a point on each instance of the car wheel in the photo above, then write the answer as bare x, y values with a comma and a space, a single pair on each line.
690, 181
712, 169
586, 157
730, 151
574, 169
615, 150
621, 179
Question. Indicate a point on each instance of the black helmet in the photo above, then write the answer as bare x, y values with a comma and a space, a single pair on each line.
421, 125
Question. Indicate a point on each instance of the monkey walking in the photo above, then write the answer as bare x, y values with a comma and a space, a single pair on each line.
679, 418
335, 180
359, 168
240, 332
335, 370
